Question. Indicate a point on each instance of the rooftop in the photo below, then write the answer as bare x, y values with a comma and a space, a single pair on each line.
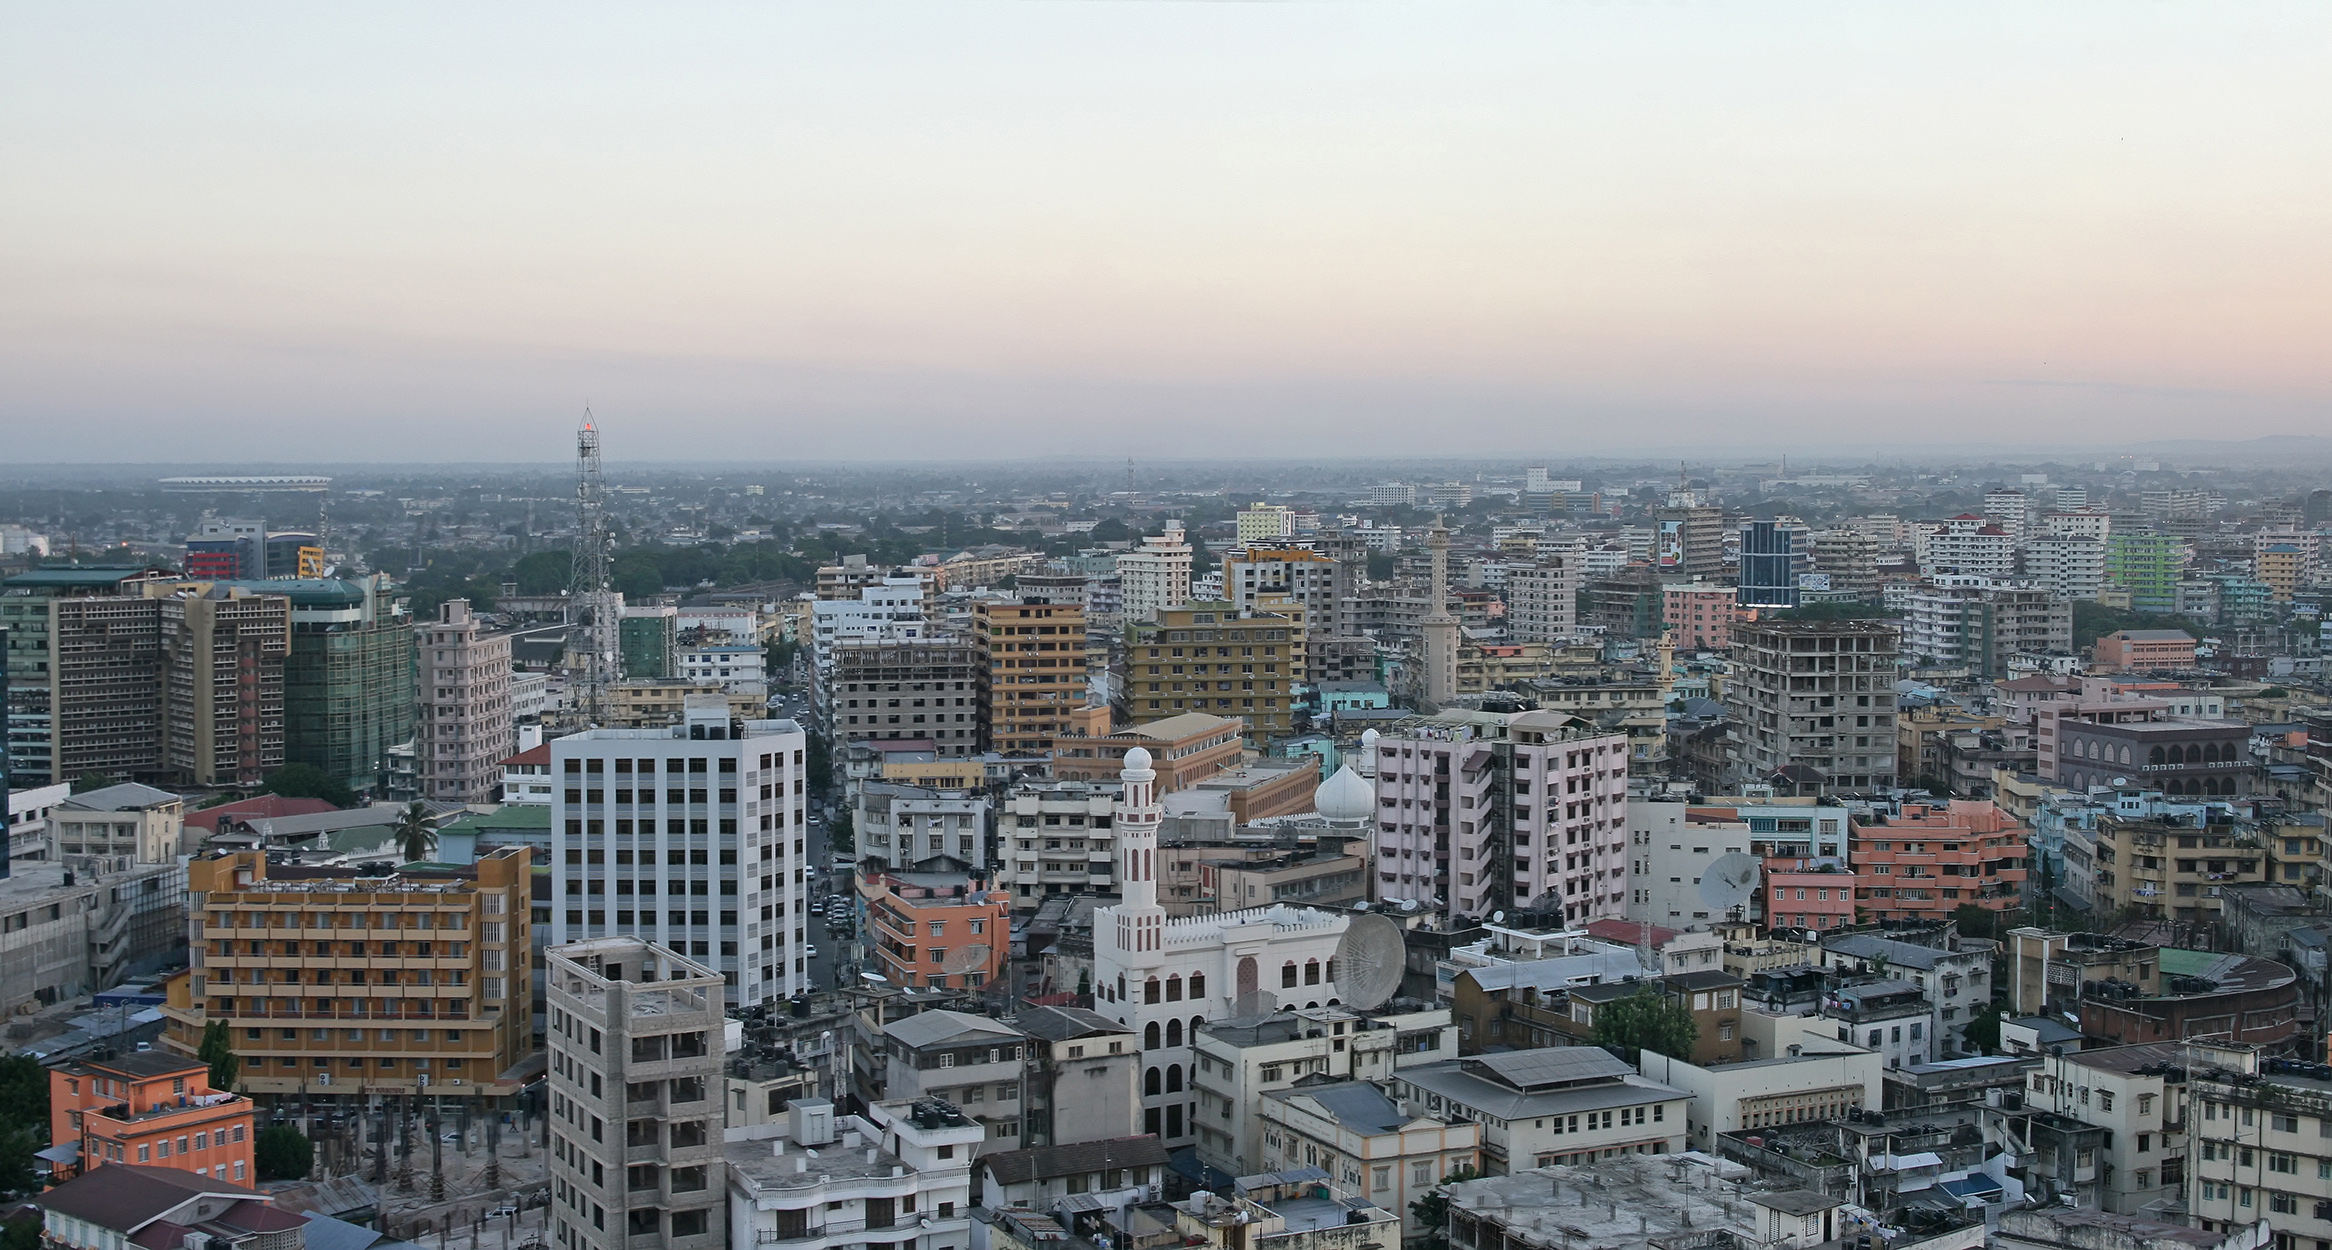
122, 798
1014, 1167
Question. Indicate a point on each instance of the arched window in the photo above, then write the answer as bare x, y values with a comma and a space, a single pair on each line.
1151, 1083
1287, 975
1311, 972
2155, 756
1314, 1005
1195, 1021
1250, 979
2125, 753
1197, 986
1174, 1078
2210, 752
1174, 1032
2174, 786
1150, 990
1150, 1036
1174, 989
2177, 756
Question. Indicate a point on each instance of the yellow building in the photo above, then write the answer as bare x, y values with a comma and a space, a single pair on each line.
1205, 657
1032, 672
653, 704
334, 981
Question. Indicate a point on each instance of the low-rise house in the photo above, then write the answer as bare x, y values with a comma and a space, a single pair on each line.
1562, 1104
1298, 1210
1079, 1178
112, 1208
900, 1173
147, 1107
1366, 1142
1084, 1077
970, 1062
1237, 1063
1814, 1078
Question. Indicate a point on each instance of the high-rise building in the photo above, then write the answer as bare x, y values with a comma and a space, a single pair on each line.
1155, 575
348, 693
1815, 703
649, 639
1981, 624
1392, 495
1438, 653
1967, 545
1206, 657
1032, 672
1542, 595
883, 691
223, 650
1689, 541
1848, 557
1258, 575
1496, 811
465, 727
1266, 524
2147, 566
1772, 555
413, 982
636, 1090
2071, 566
227, 549
63, 648
690, 836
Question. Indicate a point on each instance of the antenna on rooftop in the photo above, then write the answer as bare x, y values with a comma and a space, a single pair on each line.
590, 602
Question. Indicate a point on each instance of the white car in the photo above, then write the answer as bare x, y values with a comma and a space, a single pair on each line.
811, 950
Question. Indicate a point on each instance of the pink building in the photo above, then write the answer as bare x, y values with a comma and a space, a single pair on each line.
1558, 837
1801, 894
1701, 617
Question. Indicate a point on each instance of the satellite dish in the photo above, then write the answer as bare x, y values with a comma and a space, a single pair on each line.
1252, 1005
1728, 883
964, 960
1370, 959
1498, 917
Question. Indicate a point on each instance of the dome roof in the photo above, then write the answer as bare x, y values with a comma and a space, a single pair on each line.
1347, 796
1137, 759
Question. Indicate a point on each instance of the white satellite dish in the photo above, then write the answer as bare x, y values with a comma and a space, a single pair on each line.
1498, 917
1370, 958
1728, 883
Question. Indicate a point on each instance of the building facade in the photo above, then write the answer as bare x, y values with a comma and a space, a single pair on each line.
1817, 696
465, 728
1032, 673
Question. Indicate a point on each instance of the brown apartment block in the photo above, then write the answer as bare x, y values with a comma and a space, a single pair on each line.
333, 981
1032, 672
1184, 750
1205, 657
223, 652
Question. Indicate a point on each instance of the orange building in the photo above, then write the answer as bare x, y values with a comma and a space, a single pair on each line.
938, 930
150, 1107
2145, 650
1032, 672
1932, 858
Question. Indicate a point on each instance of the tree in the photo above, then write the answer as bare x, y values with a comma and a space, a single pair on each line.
1648, 1019
841, 837
24, 1124
306, 781
21, 1234
1381, 566
218, 1050
93, 781
1432, 1211
416, 831
282, 1153
1975, 921
1983, 1031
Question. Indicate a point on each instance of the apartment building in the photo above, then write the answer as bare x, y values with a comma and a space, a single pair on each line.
899, 1175
937, 930
2148, 567
895, 691
1207, 657
971, 1063
1032, 673
466, 727
1690, 541
338, 984
1155, 575
1930, 859
1848, 557
1494, 811
1967, 544
1187, 749
1699, 617
84, 660
635, 1053
2069, 566
1815, 703
146, 1107
1955, 973
2257, 1128
1056, 837
1367, 1143
2138, 1096
1982, 624
1542, 594
1084, 1077
909, 827
882, 609
1237, 1065
690, 836
1260, 578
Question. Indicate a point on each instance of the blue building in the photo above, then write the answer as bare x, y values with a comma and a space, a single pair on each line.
1771, 557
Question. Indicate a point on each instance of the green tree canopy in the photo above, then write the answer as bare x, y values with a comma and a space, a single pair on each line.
86, 782
218, 1050
24, 1125
1649, 1019
416, 832
306, 781
282, 1153
1983, 1031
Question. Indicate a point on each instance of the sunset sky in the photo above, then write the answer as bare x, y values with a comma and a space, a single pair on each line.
878, 229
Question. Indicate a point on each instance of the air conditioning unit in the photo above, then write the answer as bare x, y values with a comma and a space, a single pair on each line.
323, 1078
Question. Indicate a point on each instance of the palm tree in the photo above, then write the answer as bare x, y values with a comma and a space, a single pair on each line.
416, 831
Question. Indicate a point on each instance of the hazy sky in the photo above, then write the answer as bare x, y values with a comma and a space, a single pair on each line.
434, 232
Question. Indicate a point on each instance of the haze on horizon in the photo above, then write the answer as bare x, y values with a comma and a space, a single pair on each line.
909, 230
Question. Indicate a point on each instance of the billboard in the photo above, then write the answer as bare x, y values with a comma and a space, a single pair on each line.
1671, 544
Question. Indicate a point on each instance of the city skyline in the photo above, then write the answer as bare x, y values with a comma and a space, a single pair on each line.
868, 232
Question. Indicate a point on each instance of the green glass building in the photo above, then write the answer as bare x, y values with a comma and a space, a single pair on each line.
650, 640
2149, 566
348, 692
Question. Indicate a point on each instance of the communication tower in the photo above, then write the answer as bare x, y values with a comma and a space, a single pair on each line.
591, 603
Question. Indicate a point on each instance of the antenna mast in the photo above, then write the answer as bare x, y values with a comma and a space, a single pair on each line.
590, 603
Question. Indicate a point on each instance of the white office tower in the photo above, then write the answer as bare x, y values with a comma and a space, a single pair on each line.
1162, 978
689, 836
1155, 575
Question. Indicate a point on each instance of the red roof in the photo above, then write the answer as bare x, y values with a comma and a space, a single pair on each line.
1628, 932
531, 755
257, 807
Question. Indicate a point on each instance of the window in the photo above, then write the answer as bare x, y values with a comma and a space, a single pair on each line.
2285, 1123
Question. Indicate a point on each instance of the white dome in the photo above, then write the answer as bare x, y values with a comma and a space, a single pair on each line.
1368, 741
1137, 759
1347, 796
